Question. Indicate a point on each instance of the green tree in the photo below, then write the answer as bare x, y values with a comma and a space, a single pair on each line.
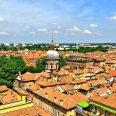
31, 69
20, 62
92, 49
62, 61
14, 49
9, 67
5, 48
41, 64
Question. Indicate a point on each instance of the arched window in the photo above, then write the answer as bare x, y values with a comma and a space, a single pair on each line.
51, 65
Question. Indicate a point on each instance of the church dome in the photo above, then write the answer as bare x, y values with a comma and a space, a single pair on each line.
52, 54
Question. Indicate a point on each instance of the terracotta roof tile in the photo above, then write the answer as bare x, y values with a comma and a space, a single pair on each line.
3, 88
69, 101
108, 100
32, 111
9, 97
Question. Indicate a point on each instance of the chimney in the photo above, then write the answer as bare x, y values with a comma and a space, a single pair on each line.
55, 99
61, 102
46, 95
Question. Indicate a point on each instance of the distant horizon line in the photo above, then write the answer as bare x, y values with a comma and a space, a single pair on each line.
55, 43
62, 43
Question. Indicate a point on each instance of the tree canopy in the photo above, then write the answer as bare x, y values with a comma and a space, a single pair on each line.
92, 49
87, 49
9, 67
40, 66
29, 47
62, 61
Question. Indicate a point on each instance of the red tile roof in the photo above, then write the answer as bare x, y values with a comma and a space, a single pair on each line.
108, 100
3, 88
32, 111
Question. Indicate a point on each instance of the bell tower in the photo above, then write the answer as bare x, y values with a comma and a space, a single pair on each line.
52, 45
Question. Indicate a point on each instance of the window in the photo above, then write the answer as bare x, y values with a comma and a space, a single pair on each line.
40, 103
51, 65
43, 105
95, 109
53, 111
57, 114
48, 108
105, 113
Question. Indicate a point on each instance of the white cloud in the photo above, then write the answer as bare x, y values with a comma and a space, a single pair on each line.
3, 33
87, 32
27, 27
56, 32
113, 17
42, 30
1, 19
93, 25
75, 29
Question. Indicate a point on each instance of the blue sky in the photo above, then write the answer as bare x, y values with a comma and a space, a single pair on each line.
38, 21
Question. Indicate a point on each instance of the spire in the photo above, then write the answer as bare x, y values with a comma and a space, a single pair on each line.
52, 41
52, 45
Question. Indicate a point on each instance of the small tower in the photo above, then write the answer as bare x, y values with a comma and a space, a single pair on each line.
52, 45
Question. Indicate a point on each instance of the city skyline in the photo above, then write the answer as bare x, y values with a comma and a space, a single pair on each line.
77, 21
